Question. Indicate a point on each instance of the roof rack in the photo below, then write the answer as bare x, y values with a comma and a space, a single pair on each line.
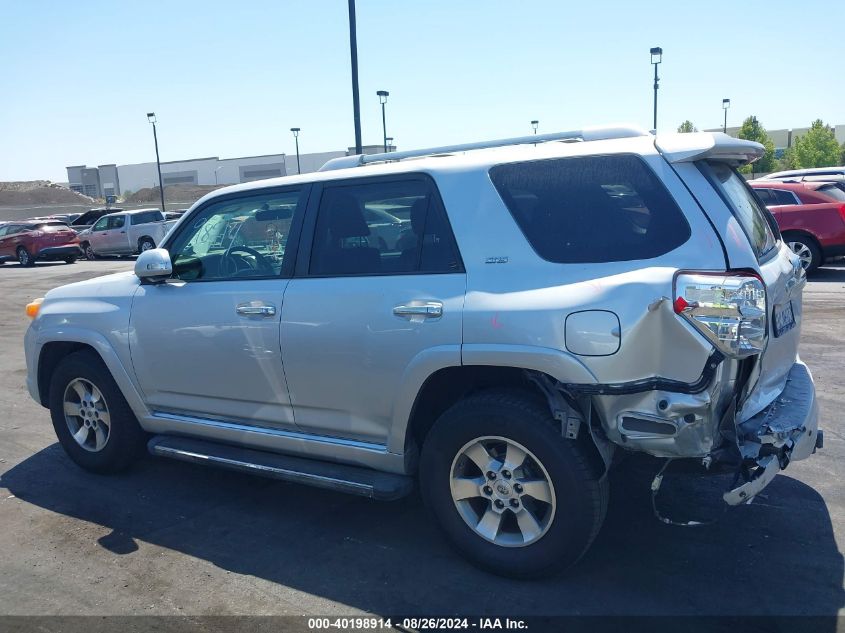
587, 134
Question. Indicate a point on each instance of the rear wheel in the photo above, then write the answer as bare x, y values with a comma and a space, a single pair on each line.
806, 248
92, 420
145, 244
510, 493
24, 257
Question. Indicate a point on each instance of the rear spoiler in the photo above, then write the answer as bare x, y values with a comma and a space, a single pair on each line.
685, 148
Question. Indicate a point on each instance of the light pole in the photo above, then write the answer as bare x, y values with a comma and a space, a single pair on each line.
534, 125
295, 131
726, 103
353, 52
656, 58
382, 97
151, 117
390, 143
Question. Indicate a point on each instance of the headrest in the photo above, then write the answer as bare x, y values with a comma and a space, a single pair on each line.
344, 217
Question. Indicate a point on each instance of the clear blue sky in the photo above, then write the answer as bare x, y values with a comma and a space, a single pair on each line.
230, 78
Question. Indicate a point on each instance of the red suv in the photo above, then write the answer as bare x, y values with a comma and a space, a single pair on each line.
811, 217
29, 241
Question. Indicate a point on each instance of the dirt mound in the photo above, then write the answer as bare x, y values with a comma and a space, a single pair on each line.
172, 193
39, 192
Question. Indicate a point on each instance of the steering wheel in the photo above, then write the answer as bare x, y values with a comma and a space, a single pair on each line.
262, 265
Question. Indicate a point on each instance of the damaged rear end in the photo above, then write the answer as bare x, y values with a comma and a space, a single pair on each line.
752, 409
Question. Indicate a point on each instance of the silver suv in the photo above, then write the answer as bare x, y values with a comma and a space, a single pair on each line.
542, 305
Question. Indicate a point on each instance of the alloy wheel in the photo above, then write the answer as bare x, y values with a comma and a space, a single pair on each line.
804, 253
23, 257
502, 491
87, 414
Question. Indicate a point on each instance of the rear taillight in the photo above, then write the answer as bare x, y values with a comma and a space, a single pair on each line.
727, 308
842, 211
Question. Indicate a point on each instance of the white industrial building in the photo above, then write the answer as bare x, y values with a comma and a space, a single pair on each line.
108, 180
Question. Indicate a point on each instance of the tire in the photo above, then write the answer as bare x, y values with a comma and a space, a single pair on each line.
70, 260
145, 244
25, 259
806, 248
90, 255
124, 440
562, 530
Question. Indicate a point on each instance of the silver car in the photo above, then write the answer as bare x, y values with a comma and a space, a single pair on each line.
546, 303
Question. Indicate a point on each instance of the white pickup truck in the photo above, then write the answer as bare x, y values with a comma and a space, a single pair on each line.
125, 233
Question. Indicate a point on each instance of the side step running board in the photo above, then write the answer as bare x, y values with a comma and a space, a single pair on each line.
341, 477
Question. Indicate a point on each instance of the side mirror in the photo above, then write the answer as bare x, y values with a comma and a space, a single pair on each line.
153, 265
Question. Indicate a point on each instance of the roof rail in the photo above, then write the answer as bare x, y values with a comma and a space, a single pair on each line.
587, 134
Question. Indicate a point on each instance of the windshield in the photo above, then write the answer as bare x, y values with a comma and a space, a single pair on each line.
743, 203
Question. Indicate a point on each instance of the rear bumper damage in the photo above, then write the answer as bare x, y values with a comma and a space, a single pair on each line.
785, 431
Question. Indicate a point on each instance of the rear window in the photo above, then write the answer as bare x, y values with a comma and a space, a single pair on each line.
833, 191
743, 204
591, 209
52, 227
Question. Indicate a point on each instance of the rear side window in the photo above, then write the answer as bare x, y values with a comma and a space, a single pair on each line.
591, 208
783, 197
147, 217
391, 227
743, 204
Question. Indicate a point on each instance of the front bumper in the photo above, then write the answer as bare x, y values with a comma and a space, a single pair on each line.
785, 431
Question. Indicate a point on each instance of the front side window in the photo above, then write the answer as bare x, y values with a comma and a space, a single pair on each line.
743, 204
235, 239
591, 209
382, 227
101, 225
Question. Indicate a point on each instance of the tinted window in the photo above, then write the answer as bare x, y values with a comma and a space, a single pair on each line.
591, 208
784, 197
382, 227
116, 221
101, 225
765, 196
833, 191
235, 239
146, 217
743, 204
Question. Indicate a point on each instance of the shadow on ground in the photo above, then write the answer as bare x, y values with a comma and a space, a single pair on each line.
777, 556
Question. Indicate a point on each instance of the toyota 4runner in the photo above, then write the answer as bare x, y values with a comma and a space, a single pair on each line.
545, 302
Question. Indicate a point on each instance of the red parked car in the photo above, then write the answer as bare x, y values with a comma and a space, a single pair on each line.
811, 217
28, 241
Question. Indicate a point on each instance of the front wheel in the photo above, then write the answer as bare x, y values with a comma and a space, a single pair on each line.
70, 260
89, 252
510, 493
92, 419
24, 257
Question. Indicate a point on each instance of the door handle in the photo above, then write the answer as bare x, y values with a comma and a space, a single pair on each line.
429, 310
123, 231
253, 309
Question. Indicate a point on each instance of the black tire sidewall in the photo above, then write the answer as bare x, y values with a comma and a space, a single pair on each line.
810, 243
576, 491
126, 439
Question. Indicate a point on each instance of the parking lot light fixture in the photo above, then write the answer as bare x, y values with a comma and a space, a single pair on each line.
295, 131
382, 97
534, 124
726, 103
656, 58
151, 117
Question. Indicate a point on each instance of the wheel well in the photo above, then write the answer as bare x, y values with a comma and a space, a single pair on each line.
145, 237
804, 234
447, 386
50, 356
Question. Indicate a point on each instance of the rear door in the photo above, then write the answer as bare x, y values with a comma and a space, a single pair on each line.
362, 310
783, 276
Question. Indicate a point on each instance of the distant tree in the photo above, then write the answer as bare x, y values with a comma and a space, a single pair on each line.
753, 130
842, 154
686, 127
817, 148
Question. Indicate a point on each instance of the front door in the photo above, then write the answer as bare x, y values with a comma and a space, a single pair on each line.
99, 232
206, 343
361, 310
114, 239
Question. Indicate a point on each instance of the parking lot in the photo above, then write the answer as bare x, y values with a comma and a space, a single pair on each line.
171, 538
